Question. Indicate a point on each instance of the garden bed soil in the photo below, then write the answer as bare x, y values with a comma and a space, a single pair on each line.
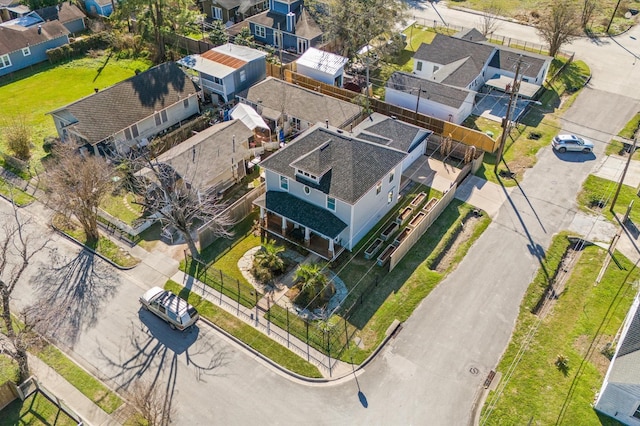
432, 202
418, 199
463, 234
386, 254
404, 215
417, 219
389, 230
402, 235
373, 248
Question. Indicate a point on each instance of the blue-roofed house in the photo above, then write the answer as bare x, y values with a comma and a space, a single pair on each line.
24, 41
99, 7
326, 189
322, 66
286, 25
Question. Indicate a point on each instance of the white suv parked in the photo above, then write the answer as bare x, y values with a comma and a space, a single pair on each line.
174, 310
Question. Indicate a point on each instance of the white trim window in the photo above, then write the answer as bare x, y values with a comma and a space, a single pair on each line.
260, 31
26, 51
284, 183
5, 61
331, 203
378, 187
216, 12
418, 65
243, 75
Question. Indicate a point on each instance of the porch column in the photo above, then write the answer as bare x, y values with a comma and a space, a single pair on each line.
284, 225
263, 217
331, 248
307, 236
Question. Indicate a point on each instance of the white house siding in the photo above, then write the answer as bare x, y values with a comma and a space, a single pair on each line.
317, 74
414, 155
618, 403
428, 68
229, 86
430, 108
371, 207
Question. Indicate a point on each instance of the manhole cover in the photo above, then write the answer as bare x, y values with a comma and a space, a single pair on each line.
474, 371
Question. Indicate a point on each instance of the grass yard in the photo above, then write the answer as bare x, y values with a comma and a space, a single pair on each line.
246, 333
597, 194
48, 87
585, 314
10, 192
123, 206
36, 410
630, 128
8, 369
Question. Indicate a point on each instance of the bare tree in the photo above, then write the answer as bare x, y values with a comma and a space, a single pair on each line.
175, 202
490, 18
18, 245
559, 24
588, 7
151, 402
77, 185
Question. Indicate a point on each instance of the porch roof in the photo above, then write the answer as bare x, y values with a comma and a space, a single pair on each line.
306, 214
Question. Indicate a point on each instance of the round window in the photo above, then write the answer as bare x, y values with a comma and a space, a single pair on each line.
306, 190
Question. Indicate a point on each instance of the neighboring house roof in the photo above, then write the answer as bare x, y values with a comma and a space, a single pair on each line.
507, 57
306, 214
326, 62
223, 60
349, 167
439, 93
28, 20
15, 37
20, 9
273, 96
63, 12
390, 132
305, 25
625, 367
470, 34
227, 4
248, 116
103, 3
209, 153
109, 111
470, 58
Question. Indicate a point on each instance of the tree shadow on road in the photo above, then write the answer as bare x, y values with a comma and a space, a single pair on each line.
70, 293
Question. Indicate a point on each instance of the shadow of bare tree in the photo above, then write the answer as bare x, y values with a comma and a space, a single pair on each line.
70, 293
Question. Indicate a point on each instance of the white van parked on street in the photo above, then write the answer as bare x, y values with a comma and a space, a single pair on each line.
174, 310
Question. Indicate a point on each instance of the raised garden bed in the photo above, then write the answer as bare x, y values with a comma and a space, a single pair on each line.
402, 235
386, 254
418, 199
389, 230
417, 219
432, 202
404, 215
373, 248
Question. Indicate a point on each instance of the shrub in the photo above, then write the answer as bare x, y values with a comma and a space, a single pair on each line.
18, 136
50, 143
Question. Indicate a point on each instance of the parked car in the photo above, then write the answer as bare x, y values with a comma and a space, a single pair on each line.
564, 143
174, 310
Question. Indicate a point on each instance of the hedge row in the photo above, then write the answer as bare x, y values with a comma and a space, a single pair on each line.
78, 47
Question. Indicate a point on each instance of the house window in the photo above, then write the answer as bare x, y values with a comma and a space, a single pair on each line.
127, 134
186, 103
284, 183
163, 114
295, 123
265, 5
378, 187
391, 176
5, 61
435, 68
243, 75
307, 190
637, 413
134, 131
331, 203
390, 197
156, 116
260, 31
26, 51
419, 66
216, 13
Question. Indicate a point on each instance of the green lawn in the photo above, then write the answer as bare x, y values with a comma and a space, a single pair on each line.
598, 191
8, 369
114, 204
630, 128
585, 314
49, 87
246, 333
36, 410
18, 196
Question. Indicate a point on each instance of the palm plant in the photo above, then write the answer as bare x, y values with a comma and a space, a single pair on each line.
270, 256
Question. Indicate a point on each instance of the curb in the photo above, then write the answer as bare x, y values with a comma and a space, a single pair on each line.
85, 247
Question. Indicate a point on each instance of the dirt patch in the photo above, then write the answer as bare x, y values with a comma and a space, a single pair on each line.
597, 358
464, 232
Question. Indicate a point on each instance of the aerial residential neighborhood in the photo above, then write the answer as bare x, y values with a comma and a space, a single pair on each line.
320, 212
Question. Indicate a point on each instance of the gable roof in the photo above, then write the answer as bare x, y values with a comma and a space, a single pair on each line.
470, 56
390, 132
272, 95
351, 166
64, 12
15, 37
440, 93
506, 58
204, 156
320, 60
305, 25
248, 116
625, 367
109, 111
470, 34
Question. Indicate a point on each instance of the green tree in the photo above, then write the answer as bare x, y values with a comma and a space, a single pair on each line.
157, 18
352, 24
244, 38
218, 34
270, 256
312, 283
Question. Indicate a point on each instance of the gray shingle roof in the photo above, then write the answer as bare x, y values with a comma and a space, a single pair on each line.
626, 364
506, 58
107, 112
14, 37
306, 214
64, 12
307, 105
398, 134
305, 25
440, 93
354, 165
446, 50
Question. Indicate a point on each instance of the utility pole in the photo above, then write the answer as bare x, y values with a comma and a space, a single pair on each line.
505, 124
624, 173
418, 102
613, 15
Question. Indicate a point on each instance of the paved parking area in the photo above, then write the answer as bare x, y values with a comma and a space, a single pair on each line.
493, 106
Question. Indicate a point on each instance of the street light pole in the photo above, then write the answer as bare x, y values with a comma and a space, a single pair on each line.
624, 173
506, 124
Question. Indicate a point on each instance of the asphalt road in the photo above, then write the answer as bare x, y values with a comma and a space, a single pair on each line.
430, 374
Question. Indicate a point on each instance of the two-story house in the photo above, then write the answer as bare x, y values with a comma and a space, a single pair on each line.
226, 70
232, 11
70, 15
327, 189
286, 25
130, 112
